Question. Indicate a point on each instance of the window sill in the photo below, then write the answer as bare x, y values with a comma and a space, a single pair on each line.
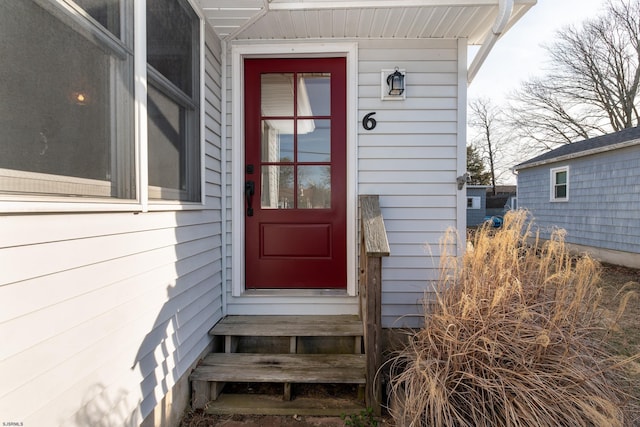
31, 204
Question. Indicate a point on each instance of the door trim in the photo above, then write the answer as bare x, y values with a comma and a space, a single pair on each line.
291, 50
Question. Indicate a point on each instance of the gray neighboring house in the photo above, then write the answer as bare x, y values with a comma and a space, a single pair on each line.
591, 189
476, 204
503, 201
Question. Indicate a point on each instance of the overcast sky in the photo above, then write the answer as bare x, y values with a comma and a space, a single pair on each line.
518, 54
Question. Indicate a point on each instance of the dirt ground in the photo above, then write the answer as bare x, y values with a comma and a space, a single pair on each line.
618, 284
200, 420
621, 285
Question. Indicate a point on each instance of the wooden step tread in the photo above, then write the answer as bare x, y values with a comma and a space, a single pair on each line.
289, 326
282, 368
242, 404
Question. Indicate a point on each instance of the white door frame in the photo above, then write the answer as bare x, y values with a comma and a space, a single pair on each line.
291, 50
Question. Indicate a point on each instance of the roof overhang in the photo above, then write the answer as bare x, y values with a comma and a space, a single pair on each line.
480, 22
303, 19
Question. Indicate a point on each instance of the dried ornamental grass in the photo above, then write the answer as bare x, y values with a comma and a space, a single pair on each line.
510, 342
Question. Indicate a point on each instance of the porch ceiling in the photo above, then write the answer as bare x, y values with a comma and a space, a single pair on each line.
306, 19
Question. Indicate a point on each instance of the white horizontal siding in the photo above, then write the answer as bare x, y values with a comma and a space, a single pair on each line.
411, 161
101, 314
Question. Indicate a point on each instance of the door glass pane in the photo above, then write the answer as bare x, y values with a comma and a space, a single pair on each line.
277, 187
277, 141
276, 98
314, 94
314, 187
314, 140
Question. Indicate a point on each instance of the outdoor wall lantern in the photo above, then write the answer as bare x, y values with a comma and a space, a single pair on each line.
393, 84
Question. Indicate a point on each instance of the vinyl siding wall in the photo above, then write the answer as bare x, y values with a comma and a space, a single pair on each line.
410, 160
102, 313
603, 206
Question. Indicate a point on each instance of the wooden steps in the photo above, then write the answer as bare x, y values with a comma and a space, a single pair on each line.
283, 326
250, 356
251, 404
282, 368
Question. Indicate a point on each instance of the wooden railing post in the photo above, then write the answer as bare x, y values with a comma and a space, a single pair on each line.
374, 245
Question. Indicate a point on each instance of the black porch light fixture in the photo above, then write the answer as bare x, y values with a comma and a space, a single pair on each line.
395, 82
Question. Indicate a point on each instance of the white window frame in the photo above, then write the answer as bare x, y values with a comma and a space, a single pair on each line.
163, 85
292, 50
553, 173
475, 202
25, 202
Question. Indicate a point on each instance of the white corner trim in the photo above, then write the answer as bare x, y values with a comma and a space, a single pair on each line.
461, 164
223, 170
239, 51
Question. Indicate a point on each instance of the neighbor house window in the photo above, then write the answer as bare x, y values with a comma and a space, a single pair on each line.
473, 202
66, 105
173, 100
560, 184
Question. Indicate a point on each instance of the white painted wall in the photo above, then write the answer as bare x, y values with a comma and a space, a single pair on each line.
101, 313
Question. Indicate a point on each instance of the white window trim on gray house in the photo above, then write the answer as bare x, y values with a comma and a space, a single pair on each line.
553, 187
473, 202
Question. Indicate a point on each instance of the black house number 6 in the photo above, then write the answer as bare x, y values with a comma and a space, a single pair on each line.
368, 122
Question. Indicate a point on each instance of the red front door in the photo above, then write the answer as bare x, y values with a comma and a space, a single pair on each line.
295, 173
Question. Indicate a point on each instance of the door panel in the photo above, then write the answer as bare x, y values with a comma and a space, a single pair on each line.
295, 154
303, 241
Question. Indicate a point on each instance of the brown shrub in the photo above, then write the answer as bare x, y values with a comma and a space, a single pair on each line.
511, 341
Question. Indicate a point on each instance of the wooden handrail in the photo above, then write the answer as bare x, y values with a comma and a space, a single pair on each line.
374, 245
373, 232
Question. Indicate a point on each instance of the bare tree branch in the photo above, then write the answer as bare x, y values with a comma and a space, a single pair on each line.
491, 137
592, 85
